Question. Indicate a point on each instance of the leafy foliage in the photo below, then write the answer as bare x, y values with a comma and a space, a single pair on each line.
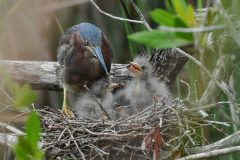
163, 17
184, 11
181, 17
27, 147
159, 39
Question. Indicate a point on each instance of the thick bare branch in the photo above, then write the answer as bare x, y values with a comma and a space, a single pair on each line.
44, 74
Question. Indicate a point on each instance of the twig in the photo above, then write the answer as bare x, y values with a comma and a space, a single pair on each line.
99, 104
5, 107
124, 67
192, 30
11, 128
209, 106
7, 95
217, 122
219, 73
59, 138
114, 17
233, 106
189, 89
206, 70
80, 151
109, 134
15, 117
99, 150
214, 153
230, 140
141, 15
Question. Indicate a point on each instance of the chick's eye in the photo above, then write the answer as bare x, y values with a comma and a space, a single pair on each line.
87, 43
143, 67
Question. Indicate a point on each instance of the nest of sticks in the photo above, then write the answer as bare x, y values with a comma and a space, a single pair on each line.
131, 138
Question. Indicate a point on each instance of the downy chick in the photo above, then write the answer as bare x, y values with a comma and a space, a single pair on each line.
141, 91
87, 106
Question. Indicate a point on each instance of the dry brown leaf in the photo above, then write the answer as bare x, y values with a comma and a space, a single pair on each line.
153, 140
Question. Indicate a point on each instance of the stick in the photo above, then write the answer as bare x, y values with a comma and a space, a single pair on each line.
214, 153
99, 104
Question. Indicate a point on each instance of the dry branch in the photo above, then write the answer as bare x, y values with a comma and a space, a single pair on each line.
44, 74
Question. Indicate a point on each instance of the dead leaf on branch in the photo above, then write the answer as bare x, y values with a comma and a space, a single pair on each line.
152, 142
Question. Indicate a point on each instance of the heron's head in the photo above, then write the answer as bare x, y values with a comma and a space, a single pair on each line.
91, 36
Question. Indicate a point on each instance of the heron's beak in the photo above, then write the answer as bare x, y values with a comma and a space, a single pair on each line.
98, 52
135, 68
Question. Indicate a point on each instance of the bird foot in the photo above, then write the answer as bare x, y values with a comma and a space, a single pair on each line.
67, 112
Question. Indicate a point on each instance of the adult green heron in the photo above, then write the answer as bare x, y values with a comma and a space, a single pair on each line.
84, 55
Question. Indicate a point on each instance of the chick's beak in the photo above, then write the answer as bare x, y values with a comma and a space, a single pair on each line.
134, 68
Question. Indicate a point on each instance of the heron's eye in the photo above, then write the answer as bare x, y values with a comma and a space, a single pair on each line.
87, 43
143, 67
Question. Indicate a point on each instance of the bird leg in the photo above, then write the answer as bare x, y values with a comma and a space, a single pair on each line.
65, 109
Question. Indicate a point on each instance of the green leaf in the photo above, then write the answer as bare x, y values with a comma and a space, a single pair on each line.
22, 149
163, 17
27, 145
39, 155
24, 95
180, 23
190, 18
180, 7
185, 12
159, 39
33, 129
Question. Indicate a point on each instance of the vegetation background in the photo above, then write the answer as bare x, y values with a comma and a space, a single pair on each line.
30, 30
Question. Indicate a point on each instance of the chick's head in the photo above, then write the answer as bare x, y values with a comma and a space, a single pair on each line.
140, 67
